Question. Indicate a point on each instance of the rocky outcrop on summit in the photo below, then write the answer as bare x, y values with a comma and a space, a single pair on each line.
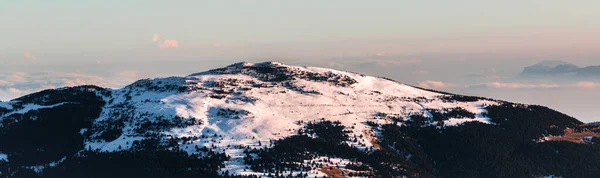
277, 72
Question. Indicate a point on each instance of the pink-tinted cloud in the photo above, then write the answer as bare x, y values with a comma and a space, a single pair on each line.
431, 84
4, 83
224, 44
379, 54
169, 44
18, 77
14, 91
28, 55
155, 37
499, 85
587, 85
74, 82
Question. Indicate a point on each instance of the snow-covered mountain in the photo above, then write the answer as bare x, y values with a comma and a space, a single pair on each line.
271, 119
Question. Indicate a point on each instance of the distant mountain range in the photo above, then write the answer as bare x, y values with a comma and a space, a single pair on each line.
274, 120
557, 68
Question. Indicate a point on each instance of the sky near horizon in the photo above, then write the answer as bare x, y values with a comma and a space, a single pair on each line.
66, 26
47, 44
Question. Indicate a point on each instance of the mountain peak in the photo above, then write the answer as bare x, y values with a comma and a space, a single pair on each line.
256, 119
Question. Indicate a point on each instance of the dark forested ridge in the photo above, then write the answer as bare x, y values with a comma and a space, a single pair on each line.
55, 132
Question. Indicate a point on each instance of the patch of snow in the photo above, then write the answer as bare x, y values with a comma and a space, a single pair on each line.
82, 131
237, 167
552, 176
6, 105
588, 139
40, 168
121, 143
477, 107
30, 107
3, 157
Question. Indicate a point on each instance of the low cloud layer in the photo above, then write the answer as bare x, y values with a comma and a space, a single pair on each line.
377, 61
395, 63
515, 86
16, 84
499, 85
439, 85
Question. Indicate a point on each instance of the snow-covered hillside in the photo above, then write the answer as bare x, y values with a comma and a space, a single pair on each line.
249, 106
249, 103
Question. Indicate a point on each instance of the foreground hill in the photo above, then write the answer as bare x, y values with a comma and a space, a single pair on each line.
274, 120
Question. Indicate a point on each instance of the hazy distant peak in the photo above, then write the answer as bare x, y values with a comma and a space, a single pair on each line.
565, 68
554, 68
552, 63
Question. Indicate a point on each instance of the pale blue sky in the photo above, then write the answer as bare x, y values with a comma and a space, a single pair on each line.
46, 44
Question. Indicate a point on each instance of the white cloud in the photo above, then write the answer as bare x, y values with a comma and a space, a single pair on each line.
169, 44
